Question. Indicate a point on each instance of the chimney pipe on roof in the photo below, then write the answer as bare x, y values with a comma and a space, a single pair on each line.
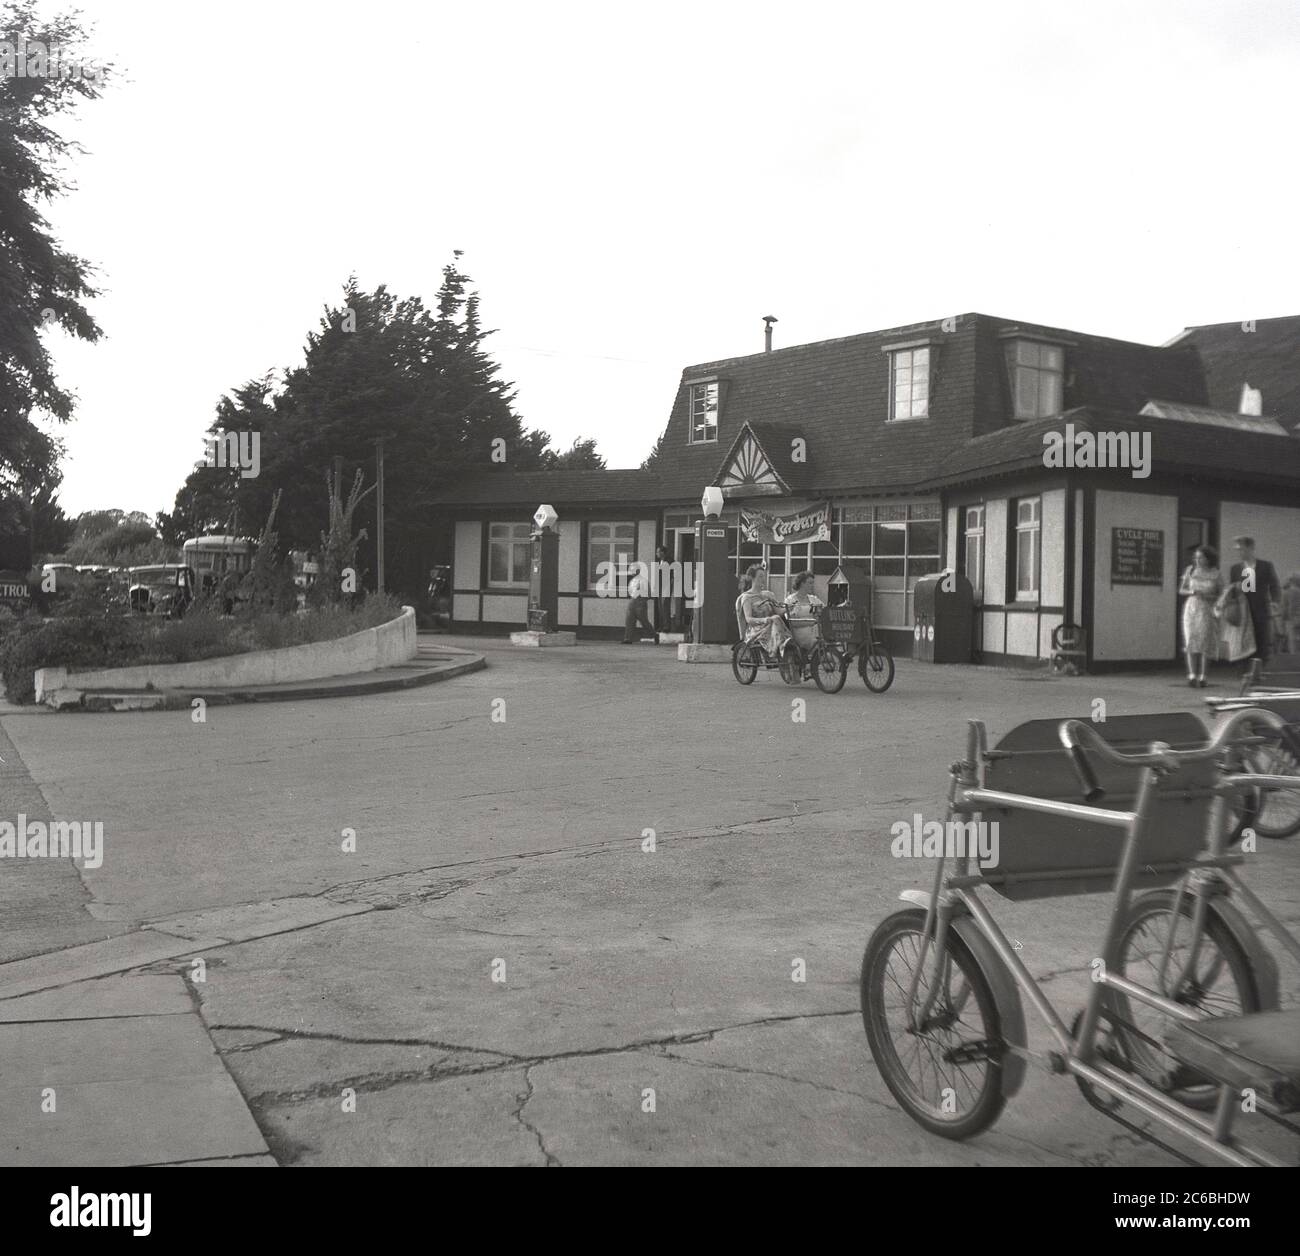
768, 320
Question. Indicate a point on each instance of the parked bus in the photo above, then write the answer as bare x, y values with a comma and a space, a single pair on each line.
218, 563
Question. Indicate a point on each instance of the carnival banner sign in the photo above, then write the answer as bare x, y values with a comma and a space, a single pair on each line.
810, 524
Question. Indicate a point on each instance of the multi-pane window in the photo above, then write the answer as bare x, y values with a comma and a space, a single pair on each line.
910, 383
896, 546
1028, 548
704, 412
973, 553
509, 553
613, 543
1036, 374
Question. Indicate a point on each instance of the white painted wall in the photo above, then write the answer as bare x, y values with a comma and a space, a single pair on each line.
1134, 621
464, 606
604, 612
467, 562
950, 549
1276, 530
1022, 634
506, 608
995, 556
994, 632
1052, 580
646, 532
570, 546
568, 611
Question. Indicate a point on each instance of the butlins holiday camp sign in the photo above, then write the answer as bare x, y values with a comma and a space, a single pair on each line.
812, 524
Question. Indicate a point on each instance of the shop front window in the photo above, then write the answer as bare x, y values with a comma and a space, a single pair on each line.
896, 545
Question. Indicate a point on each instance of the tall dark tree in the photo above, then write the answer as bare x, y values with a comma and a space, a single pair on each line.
42, 284
580, 456
376, 367
651, 461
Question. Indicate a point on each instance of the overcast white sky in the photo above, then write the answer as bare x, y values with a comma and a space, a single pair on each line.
635, 186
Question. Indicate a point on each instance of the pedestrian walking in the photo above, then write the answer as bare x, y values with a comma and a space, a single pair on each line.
1256, 579
638, 607
1202, 585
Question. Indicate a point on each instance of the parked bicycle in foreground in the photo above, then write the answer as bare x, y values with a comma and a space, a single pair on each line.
1181, 1011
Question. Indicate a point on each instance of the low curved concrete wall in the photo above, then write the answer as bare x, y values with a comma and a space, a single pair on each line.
364, 651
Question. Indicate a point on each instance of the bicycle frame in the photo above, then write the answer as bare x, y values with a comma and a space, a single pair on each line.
1077, 1054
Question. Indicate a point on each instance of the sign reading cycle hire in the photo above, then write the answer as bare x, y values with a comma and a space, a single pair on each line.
1137, 556
812, 524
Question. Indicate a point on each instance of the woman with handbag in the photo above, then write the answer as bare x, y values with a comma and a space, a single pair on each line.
1202, 585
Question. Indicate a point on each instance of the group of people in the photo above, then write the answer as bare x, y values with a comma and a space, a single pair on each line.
1234, 618
762, 619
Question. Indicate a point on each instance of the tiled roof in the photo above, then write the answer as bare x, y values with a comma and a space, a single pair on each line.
1189, 448
837, 392
1264, 354
556, 488
1215, 418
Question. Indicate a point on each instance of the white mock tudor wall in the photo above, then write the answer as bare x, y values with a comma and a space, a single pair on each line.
1052, 580
466, 568
995, 565
570, 548
1134, 622
506, 608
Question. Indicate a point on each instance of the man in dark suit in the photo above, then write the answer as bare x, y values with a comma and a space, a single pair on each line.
1257, 579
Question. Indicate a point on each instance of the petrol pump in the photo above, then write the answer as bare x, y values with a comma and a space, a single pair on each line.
544, 572
715, 581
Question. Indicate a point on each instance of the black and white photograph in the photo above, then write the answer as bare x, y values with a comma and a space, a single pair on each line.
682, 586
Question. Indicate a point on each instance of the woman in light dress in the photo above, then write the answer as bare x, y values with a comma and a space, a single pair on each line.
1203, 587
762, 613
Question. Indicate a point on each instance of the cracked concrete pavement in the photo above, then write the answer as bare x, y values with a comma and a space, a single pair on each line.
500, 973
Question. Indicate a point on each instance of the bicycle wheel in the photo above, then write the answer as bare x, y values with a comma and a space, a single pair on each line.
791, 665
1279, 809
1224, 983
744, 666
876, 667
830, 668
947, 1073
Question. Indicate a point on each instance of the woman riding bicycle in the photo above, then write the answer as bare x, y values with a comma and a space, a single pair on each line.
762, 613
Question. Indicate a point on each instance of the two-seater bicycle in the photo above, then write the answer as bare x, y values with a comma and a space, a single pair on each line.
1180, 1025
822, 647
805, 653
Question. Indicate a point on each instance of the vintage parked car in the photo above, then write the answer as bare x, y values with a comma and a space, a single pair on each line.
161, 589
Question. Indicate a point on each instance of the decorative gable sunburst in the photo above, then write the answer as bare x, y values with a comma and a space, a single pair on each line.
748, 472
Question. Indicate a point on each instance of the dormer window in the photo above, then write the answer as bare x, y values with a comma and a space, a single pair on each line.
909, 382
704, 413
1037, 372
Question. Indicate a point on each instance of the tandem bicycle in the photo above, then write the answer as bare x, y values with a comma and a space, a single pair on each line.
1181, 1018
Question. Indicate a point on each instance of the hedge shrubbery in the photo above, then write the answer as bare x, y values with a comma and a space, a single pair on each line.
80, 642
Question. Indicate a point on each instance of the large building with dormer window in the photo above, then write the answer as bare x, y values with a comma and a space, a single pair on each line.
1068, 476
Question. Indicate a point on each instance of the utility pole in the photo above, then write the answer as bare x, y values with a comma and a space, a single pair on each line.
379, 508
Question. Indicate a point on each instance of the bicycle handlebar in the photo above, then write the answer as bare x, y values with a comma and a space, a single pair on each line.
1074, 733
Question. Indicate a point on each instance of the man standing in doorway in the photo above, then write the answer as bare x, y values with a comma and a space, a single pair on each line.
662, 590
1257, 579
637, 591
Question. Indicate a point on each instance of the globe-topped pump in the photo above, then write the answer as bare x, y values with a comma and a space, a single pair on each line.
545, 518
711, 502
